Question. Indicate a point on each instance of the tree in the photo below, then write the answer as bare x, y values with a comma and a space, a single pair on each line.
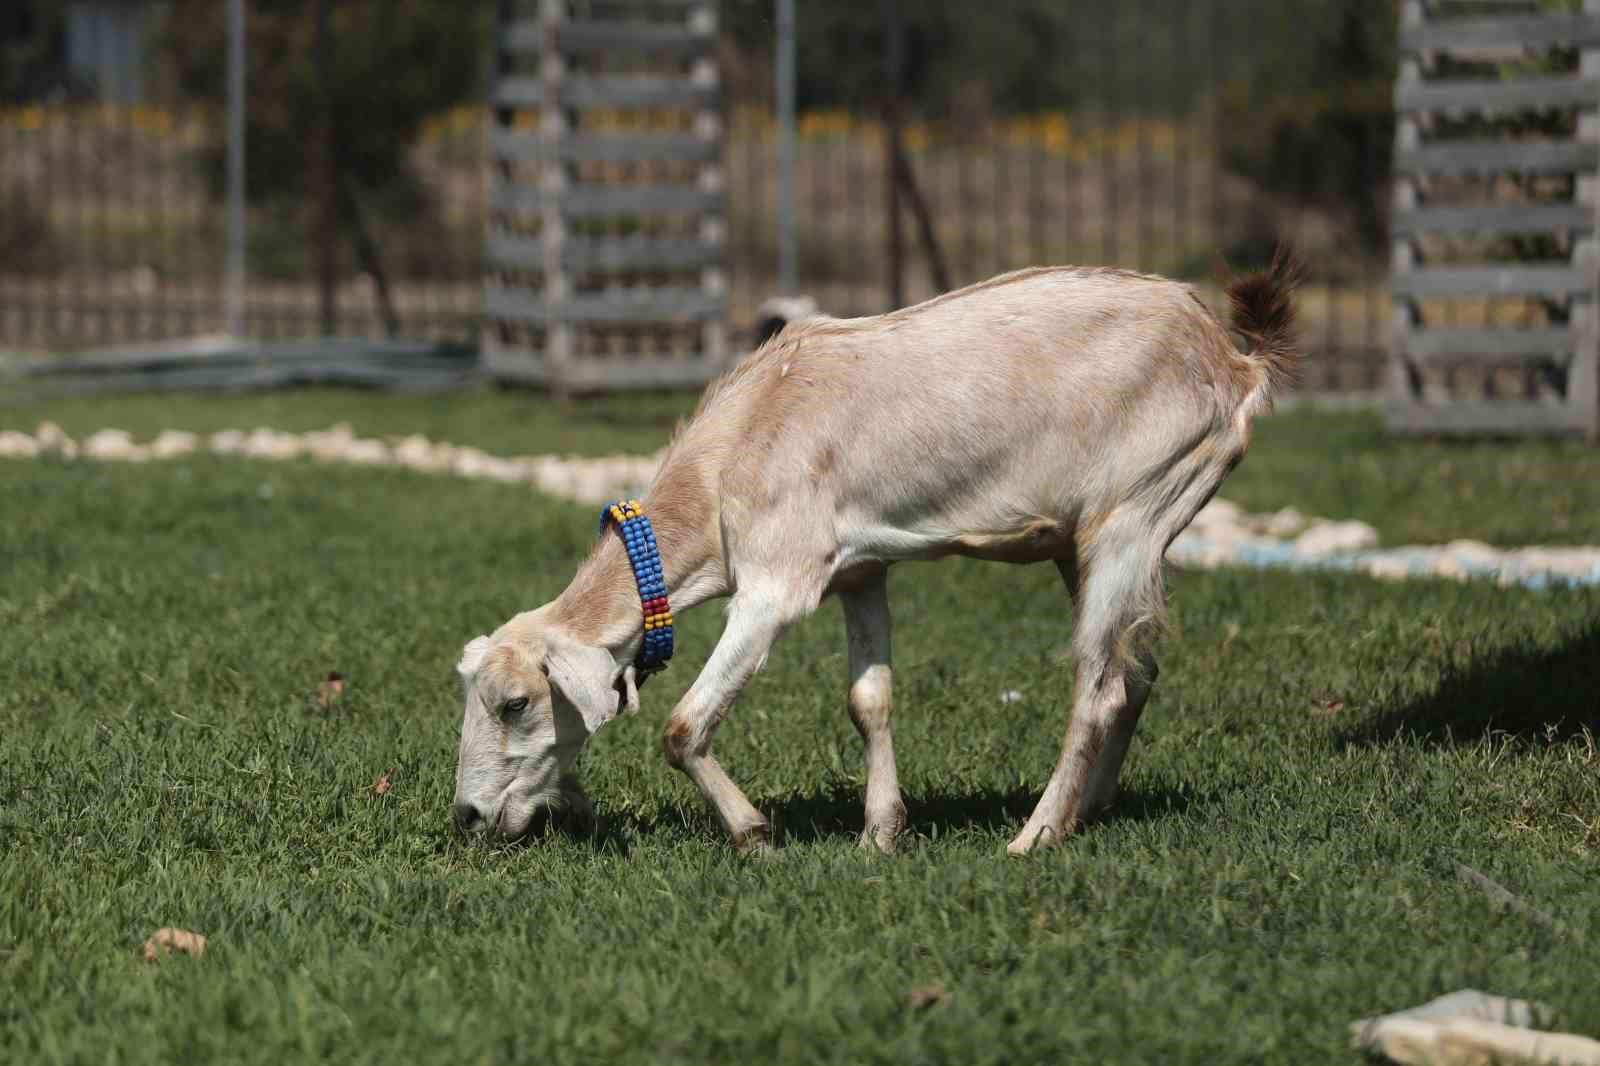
389, 64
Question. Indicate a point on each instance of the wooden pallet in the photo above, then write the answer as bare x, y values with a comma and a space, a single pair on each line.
1552, 362
605, 239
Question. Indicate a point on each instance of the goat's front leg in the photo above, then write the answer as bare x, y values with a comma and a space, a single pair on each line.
866, 623
754, 623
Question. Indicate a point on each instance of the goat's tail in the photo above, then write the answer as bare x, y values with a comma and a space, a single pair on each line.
1263, 310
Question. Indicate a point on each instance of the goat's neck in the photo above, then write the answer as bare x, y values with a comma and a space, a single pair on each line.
601, 604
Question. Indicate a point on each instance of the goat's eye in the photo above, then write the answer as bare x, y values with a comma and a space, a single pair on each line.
516, 706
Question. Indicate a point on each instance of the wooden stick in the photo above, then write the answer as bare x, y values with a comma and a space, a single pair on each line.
1499, 894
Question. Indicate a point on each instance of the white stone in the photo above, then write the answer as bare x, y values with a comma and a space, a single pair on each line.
1285, 523
112, 444
1326, 538
171, 443
14, 445
367, 452
1388, 568
1218, 512
51, 438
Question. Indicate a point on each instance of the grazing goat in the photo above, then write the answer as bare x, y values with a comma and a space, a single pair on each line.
1073, 416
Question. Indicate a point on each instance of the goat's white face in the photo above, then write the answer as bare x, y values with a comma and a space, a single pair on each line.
529, 709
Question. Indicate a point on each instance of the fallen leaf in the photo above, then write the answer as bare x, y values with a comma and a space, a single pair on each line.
330, 690
383, 784
1327, 708
1230, 633
167, 940
924, 996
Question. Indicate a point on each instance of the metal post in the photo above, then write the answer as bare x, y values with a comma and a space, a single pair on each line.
233, 295
787, 279
891, 127
326, 177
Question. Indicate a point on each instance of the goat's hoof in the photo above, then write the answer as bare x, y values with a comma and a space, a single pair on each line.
882, 834
756, 843
1031, 840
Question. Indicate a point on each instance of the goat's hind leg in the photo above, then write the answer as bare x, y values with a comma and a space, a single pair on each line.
866, 621
1137, 681
1120, 590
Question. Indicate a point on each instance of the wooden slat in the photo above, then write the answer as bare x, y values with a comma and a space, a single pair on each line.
614, 253
590, 147
607, 92
1454, 159
1514, 31
584, 36
1475, 95
1495, 218
1487, 347
605, 200
608, 36
1507, 417
663, 305
523, 36
1481, 280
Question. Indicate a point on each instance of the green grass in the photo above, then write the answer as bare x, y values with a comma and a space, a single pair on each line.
1319, 753
504, 422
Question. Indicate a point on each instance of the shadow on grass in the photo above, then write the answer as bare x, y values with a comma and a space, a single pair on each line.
807, 818
802, 818
1541, 697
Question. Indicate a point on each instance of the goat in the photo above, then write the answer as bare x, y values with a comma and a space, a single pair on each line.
1076, 416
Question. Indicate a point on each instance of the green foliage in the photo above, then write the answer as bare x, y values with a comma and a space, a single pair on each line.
32, 43
1313, 122
953, 61
1312, 764
391, 64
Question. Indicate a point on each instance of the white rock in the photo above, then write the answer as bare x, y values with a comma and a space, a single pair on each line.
367, 452
51, 438
14, 445
1285, 523
1463, 559
1473, 549
270, 444
416, 452
1327, 538
1388, 569
1219, 512
1562, 562
112, 444
171, 443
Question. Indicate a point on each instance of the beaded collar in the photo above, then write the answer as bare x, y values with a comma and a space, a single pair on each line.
640, 540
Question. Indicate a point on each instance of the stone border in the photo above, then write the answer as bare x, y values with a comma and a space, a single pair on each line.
1221, 534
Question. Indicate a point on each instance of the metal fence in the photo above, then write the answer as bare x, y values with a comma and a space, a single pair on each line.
1166, 155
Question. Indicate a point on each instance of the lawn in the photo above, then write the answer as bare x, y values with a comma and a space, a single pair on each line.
1319, 754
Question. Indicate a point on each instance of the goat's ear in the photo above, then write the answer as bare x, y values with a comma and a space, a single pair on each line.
586, 678
472, 657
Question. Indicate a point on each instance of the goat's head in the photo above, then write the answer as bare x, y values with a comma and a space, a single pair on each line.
533, 697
